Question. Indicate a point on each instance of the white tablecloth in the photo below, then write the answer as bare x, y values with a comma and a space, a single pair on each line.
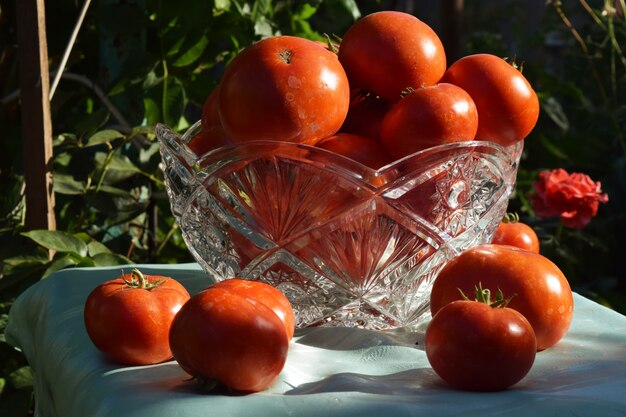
329, 372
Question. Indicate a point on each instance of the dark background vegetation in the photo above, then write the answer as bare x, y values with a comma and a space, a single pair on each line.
157, 60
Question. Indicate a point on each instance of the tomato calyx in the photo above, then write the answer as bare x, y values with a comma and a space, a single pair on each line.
138, 280
514, 64
483, 295
511, 218
330, 45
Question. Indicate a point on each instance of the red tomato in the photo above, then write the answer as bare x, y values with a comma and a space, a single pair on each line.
236, 340
129, 318
388, 51
358, 148
476, 347
284, 88
517, 234
508, 107
365, 115
540, 290
212, 134
210, 111
427, 117
207, 140
265, 294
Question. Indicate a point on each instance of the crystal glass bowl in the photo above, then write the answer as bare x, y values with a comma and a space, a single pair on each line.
348, 245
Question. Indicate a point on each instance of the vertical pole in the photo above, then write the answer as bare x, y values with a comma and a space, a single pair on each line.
36, 120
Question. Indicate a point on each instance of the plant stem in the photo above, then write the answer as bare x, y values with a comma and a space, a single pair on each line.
583, 46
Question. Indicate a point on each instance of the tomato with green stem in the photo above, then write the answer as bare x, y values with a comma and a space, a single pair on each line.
129, 318
542, 293
480, 345
515, 233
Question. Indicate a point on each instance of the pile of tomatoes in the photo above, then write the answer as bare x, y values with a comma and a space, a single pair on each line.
383, 93
235, 333
480, 345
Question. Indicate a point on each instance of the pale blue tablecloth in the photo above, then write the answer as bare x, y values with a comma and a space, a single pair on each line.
329, 372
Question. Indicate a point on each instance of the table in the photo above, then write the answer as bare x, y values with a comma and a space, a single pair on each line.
330, 372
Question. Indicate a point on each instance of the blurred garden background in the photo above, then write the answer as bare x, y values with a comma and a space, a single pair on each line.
138, 62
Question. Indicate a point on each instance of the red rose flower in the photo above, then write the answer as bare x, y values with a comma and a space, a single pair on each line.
573, 197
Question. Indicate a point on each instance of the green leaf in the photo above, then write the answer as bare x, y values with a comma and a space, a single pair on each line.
67, 185
222, 5
261, 8
21, 378
307, 11
115, 191
173, 101
92, 122
352, 7
103, 136
58, 240
110, 259
127, 213
3, 383
94, 248
193, 53
263, 27
123, 163
152, 114
151, 80
85, 263
119, 168
141, 130
26, 259
59, 264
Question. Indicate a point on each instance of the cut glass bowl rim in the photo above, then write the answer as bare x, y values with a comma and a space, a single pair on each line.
376, 178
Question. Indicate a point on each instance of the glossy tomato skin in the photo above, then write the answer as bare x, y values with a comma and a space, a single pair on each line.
283, 88
358, 148
208, 140
476, 347
386, 52
427, 117
508, 107
212, 135
365, 115
540, 291
265, 294
229, 338
210, 111
517, 234
131, 325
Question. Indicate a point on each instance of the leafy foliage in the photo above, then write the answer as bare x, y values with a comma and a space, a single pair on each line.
140, 62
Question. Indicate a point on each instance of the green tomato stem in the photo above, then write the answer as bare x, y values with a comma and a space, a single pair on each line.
140, 281
483, 295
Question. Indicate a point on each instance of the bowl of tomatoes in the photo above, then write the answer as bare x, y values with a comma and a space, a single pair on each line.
349, 245
312, 172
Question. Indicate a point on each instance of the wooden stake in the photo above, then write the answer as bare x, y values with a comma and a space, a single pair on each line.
36, 120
